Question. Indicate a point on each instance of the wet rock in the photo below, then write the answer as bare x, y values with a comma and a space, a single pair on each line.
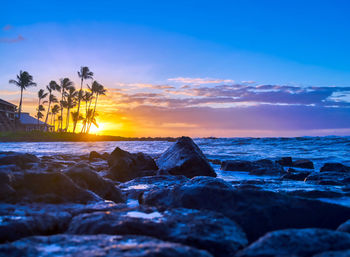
97, 245
215, 161
260, 167
53, 187
316, 193
23, 160
345, 227
285, 161
328, 178
256, 211
297, 242
125, 166
95, 155
134, 188
292, 174
86, 178
6, 191
201, 229
345, 253
185, 158
336, 167
13, 227
304, 164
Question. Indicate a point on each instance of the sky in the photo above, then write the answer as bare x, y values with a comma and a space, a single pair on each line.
198, 68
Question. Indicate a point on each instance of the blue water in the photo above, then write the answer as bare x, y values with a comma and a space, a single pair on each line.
317, 149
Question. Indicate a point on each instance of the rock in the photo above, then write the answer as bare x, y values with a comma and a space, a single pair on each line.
185, 158
86, 178
215, 161
295, 175
22, 160
328, 178
125, 166
345, 227
315, 193
345, 253
260, 167
13, 227
285, 161
336, 167
297, 242
52, 187
95, 155
305, 164
97, 245
256, 211
201, 229
6, 191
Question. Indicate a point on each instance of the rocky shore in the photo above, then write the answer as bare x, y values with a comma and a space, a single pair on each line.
127, 204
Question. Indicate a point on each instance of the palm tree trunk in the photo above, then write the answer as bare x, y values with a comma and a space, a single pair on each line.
20, 107
48, 109
93, 113
67, 119
79, 97
38, 114
61, 110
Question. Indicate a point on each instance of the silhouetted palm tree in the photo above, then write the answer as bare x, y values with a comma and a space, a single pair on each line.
41, 95
24, 80
83, 74
87, 98
53, 86
54, 110
70, 102
64, 85
76, 117
98, 89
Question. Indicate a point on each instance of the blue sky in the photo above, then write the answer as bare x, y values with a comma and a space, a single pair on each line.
302, 44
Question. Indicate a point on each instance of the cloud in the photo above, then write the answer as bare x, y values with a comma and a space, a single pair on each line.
19, 38
199, 81
7, 27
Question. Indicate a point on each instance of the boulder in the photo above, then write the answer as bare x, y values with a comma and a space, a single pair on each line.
125, 166
297, 242
334, 166
260, 167
185, 158
86, 178
97, 245
23, 160
292, 174
304, 164
6, 191
95, 155
53, 187
345, 227
328, 178
256, 211
201, 229
344, 253
285, 161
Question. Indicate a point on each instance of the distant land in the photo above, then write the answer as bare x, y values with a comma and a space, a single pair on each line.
40, 136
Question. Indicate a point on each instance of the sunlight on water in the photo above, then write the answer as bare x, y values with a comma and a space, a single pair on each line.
137, 214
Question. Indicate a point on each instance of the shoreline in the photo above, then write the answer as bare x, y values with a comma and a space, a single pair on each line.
40, 136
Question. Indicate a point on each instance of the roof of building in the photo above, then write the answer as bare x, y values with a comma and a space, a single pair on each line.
7, 103
26, 119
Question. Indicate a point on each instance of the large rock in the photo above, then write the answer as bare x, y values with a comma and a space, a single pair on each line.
86, 178
293, 174
23, 160
201, 229
304, 164
256, 211
285, 161
334, 166
260, 167
185, 158
125, 166
345, 227
97, 245
52, 187
297, 242
329, 178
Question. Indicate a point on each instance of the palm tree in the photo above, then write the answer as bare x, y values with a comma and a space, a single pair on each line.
41, 95
64, 85
83, 74
53, 86
71, 97
98, 89
76, 117
54, 110
24, 80
87, 98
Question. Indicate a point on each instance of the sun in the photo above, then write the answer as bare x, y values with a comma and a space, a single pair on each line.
96, 130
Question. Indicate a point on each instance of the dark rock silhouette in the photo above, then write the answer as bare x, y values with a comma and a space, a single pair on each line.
334, 166
125, 166
98, 245
23, 160
305, 164
256, 211
297, 242
260, 167
285, 161
184, 158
